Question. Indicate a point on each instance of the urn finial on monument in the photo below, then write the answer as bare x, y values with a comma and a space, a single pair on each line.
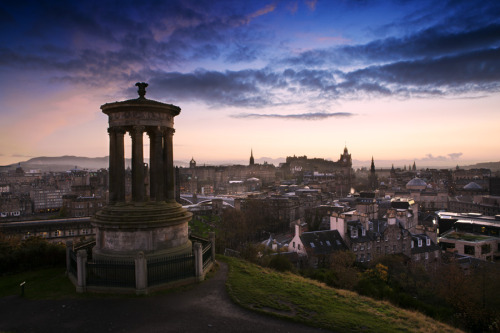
142, 89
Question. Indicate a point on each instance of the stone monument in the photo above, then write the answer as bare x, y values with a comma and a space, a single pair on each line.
152, 222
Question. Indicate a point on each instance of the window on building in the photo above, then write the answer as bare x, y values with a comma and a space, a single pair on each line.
485, 248
354, 233
368, 246
298, 246
378, 249
403, 247
328, 243
294, 245
312, 244
428, 241
363, 232
420, 242
399, 236
469, 250
386, 237
417, 256
426, 255
362, 258
412, 244
355, 248
368, 256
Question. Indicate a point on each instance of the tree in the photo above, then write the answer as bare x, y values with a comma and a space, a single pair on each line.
342, 264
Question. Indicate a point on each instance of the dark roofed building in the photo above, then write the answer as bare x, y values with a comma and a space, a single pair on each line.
424, 250
315, 247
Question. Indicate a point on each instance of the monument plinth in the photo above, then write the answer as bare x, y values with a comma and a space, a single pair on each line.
151, 222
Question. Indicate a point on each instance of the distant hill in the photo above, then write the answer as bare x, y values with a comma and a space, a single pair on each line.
493, 166
65, 163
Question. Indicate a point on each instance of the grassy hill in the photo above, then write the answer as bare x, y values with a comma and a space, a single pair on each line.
290, 296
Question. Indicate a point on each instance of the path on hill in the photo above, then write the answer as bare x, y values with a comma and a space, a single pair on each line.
204, 308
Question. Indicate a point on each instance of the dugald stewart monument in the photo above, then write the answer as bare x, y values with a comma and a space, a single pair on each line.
152, 221
142, 240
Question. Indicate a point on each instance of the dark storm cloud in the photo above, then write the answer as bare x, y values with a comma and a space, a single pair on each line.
214, 88
432, 42
91, 42
121, 34
474, 71
303, 116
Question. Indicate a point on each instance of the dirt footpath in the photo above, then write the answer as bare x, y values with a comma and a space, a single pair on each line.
204, 308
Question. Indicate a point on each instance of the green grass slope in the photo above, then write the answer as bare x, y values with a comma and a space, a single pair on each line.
287, 295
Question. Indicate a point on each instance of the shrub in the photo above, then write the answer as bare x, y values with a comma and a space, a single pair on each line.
280, 263
34, 252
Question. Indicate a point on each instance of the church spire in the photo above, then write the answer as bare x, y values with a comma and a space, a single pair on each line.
252, 161
373, 177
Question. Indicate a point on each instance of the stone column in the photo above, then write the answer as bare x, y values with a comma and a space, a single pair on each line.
141, 274
137, 164
156, 165
198, 261
119, 164
152, 164
112, 165
168, 160
81, 267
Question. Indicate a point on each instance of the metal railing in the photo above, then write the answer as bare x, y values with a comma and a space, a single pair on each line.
110, 273
207, 255
123, 274
163, 270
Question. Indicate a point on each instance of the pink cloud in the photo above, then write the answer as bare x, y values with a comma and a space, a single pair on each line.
267, 9
311, 4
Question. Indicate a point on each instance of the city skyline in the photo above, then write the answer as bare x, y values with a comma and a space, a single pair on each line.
412, 81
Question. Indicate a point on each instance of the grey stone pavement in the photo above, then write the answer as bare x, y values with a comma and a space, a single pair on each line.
204, 308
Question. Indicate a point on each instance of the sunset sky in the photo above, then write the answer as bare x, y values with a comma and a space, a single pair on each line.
396, 80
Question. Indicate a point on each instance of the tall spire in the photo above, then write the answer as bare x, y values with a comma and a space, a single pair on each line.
252, 162
373, 177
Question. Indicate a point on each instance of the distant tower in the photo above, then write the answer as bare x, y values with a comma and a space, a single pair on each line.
373, 176
345, 158
414, 166
345, 167
252, 162
192, 163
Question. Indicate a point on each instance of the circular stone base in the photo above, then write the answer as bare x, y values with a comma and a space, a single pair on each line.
154, 228
97, 254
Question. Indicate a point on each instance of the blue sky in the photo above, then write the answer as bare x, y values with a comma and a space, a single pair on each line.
397, 80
